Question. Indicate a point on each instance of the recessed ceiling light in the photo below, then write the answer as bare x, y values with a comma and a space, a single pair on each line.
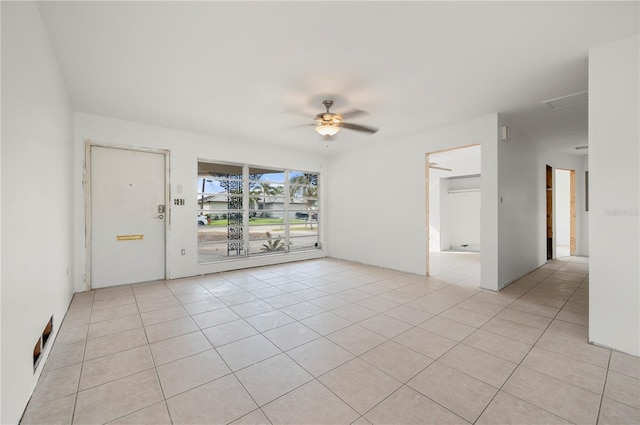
566, 101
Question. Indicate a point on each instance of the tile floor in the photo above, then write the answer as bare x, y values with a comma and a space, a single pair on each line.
332, 342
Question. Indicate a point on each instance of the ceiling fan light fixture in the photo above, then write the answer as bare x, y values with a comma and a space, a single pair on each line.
327, 129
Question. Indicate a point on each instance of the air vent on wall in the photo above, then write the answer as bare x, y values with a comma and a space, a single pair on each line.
566, 101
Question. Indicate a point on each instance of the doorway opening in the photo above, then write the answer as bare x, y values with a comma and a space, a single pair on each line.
565, 212
453, 186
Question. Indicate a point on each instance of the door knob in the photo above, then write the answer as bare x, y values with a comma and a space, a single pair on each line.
161, 216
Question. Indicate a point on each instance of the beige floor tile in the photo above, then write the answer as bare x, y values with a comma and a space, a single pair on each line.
447, 328
165, 330
326, 323
190, 372
498, 345
223, 399
397, 360
565, 400
386, 326
113, 302
112, 292
113, 312
408, 315
570, 330
615, 413
320, 356
160, 304
239, 298
309, 294
310, 404
353, 295
215, 317
254, 418
458, 392
356, 339
484, 307
535, 308
164, 315
466, 317
252, 308
272, 378
407, 406
625, 363
573, 317
179, 347
302, 310
359, 384
156, 414
354, 313
58, 411
378, 304
429, 305
269, 320
290, 336
72, 334
117, 399
114, 343
280, 301
192, 297
65, 355
425, 342
114, 326
272, 291
508, 410
115, 366
482, 366
248, 351
55, 384
513, 330
228, 332
524, 318
580, 374
623, 388
204, 306
579, 350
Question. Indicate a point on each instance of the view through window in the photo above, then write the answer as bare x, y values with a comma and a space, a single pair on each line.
249, 211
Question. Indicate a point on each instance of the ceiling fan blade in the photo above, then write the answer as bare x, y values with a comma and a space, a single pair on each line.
439, 168
353, 112
358, 127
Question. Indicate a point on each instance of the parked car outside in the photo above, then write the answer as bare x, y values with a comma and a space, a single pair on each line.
203, 220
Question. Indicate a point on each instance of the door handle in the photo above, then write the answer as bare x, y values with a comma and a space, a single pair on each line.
160, 216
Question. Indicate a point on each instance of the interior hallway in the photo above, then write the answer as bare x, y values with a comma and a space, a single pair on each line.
327, 341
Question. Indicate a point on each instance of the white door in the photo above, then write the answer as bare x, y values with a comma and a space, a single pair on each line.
127, 218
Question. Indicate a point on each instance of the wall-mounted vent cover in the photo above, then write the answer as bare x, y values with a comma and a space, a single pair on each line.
566, 101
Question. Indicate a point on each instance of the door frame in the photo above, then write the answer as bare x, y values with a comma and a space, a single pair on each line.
88, 144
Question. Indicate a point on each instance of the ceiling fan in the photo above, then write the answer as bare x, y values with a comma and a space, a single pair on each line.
329, 124
434, 166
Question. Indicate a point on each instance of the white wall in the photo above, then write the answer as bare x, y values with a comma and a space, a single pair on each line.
521, 205
37, 163
185, 150
614, 185
463, 210
393, 234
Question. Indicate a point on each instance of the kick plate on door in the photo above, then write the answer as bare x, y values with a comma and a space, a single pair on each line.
129, 237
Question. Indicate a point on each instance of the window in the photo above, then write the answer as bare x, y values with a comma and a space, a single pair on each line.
249, 211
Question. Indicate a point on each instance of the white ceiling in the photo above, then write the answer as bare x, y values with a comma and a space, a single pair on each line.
233, 69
